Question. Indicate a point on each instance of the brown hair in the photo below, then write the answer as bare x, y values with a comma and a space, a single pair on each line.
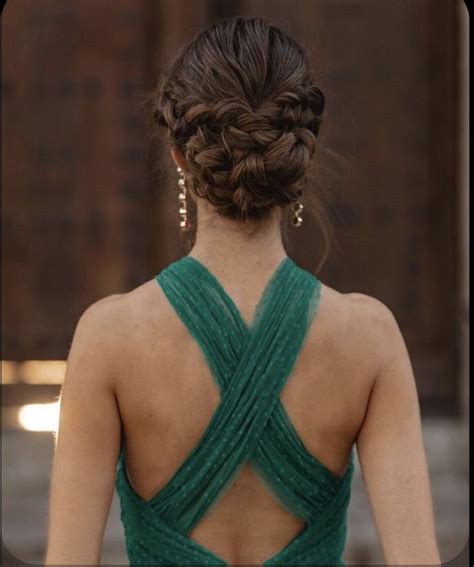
240, 104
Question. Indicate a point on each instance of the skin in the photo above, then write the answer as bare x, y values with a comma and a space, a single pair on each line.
132, 362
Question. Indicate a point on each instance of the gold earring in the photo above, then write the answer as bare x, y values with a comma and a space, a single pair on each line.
183, 212
297, 208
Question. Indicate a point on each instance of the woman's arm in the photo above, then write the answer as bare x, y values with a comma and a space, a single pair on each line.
392, 456
88, 442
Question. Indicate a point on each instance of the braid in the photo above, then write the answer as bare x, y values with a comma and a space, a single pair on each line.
247, 149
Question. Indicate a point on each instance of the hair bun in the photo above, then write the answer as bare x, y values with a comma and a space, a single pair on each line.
240, 104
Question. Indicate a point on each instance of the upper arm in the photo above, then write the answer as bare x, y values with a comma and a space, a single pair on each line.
391, 452
87, 443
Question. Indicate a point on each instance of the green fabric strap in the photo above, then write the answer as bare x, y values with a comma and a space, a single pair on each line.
250, 365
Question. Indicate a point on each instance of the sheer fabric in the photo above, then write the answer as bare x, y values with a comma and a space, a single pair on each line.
250, 364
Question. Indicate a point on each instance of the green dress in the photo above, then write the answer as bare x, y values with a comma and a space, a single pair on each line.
250, 365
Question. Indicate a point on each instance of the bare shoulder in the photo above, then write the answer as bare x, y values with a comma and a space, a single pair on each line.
116, 313
378, 325
105, 335
367, 325
104, 314
371, 309
98, 334
359, 308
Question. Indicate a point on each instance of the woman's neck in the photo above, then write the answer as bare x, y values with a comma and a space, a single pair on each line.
223, 244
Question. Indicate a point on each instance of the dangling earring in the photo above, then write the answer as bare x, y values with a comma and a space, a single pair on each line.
183, 212
297, 208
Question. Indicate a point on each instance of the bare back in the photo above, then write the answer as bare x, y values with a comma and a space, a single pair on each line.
166, 397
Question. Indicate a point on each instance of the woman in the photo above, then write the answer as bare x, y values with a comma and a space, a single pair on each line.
234, 387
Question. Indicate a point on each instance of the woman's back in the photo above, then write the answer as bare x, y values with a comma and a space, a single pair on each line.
178, 368
166, 395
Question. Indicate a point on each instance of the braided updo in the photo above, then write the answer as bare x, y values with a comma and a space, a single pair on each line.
240, 105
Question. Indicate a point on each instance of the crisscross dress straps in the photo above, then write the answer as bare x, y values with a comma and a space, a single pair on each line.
250, 365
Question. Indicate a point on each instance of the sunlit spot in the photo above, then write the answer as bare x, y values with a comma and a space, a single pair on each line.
9, 371
33, 371
42, 371
39, 417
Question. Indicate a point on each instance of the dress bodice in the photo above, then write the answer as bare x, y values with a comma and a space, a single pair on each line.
250, 364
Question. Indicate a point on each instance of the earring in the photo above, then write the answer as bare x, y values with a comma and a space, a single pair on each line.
297, 208
183, 212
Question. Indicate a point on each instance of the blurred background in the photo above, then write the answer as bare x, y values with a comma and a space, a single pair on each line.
87, 214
